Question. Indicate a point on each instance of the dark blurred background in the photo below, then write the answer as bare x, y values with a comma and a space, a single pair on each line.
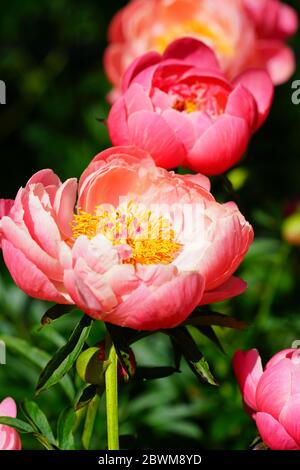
50, 60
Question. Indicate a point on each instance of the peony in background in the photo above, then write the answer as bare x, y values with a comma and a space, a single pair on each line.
51, 62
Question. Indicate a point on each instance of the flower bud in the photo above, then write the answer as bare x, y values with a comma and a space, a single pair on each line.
91, 365
291, 229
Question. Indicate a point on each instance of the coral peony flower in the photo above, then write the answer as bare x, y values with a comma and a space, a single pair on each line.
243, 33
9, 438
180, 108
143, 249
272, 396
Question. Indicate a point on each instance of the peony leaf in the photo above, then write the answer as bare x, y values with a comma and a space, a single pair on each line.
65, 357
18, 424
38, 420
183, 340
65, 425
56, 312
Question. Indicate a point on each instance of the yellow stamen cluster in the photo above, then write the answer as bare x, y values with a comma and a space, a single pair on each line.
150, 236
199, 29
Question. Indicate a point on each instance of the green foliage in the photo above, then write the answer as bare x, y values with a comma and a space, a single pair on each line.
51, 62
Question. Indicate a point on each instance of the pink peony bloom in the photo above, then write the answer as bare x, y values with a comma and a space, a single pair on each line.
145, 247
180, 108
243, 33
272, 396
9, 438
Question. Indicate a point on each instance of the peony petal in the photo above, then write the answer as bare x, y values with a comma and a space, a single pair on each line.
274, 388
8, 408
259, 84
198, 179
242, 104
290, 416
136, 99
28, 277
164, 307
151, 132
220, 147
273, 433
23, 241
248, 371
41, 225
138, 65
279, 59
286, 353
113, 62
5, 206
182, 127
192, 51
64, 204
117, 123
45, 177
231, 288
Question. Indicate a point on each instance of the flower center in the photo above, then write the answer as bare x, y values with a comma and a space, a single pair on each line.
200, 30
150, 238
193, 95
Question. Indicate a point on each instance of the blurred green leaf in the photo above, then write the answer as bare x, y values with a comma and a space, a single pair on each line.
65, 357
66, 422
91, 414
87, 395
37, 357
55, 312
18, 424
198, 364
209, 333
38, 419
148, 373
200, 318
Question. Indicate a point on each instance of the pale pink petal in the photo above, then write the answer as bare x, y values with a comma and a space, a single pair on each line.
164, 307
41, 225
248, 370
200, 180
64, 204
273, 433
8, 407
28, 277
45, 177
23, 241
9, 439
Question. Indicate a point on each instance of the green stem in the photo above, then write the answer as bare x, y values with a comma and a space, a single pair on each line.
111, 387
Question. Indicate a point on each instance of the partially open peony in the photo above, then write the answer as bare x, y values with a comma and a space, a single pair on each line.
143, 249
272, 395
180, 107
